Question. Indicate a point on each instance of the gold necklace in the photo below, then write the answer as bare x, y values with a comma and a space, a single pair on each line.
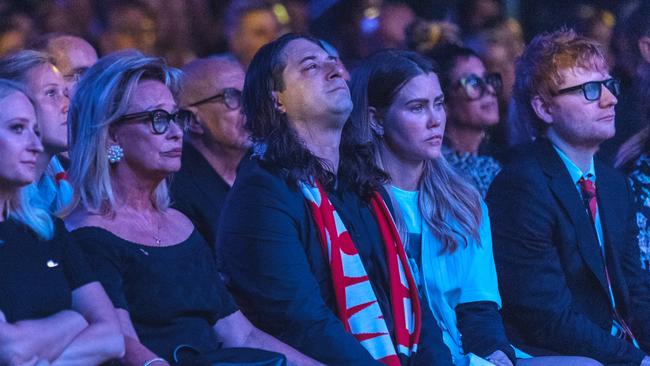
145, 228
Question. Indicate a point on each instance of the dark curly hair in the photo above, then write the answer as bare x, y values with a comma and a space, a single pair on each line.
284, 149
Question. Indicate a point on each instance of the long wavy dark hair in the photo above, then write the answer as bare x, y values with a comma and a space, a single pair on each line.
284, 150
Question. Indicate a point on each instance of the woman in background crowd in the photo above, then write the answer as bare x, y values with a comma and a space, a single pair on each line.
472, 109
52, 310
44, 84
634, 159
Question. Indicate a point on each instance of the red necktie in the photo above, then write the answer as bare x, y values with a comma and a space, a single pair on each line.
589, 194
588, 189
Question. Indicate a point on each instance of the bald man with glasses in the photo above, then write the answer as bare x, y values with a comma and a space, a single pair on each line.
215, 141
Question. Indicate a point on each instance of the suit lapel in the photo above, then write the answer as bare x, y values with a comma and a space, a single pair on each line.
569, 199
610, 208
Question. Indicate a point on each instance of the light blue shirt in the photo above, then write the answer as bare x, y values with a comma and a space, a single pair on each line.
448, 279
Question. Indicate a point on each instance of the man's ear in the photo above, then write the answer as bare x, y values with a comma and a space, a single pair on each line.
277, 102
542, 109
376, 122
196, 126
644, 48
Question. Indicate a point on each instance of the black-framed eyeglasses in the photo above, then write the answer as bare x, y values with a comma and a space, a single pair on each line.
593, 89
231, 97
160, 119
475, 86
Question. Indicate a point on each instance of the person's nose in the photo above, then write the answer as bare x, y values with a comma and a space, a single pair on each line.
65, 101
334, 67
607, 98
174, 131
35, 144
436, 118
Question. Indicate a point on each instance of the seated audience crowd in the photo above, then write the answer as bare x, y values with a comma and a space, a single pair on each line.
266, 207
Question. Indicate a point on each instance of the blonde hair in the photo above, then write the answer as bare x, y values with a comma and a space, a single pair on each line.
21, 206
101, 99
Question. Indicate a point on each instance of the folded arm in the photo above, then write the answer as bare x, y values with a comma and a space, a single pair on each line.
45, 338
101, 340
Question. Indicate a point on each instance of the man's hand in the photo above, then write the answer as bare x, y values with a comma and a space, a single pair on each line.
645, 361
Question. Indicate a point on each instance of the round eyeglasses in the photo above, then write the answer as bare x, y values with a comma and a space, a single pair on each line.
231, 97
592, 90
160, 119
475, 86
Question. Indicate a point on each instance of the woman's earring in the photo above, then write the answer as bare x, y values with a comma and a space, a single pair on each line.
114, 153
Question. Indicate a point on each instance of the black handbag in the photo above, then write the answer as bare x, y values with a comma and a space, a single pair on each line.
185, 355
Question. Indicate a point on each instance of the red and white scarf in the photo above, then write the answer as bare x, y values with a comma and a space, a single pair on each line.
356, 301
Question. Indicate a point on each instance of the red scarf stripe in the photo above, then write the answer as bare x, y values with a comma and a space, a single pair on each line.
389, 230
351, 284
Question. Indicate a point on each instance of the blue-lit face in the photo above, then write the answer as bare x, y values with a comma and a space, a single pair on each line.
577, 121
467, 106
414, 123
19, 142
46, 85
147, 153
315, 90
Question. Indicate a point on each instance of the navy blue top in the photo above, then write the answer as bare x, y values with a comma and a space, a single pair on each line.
37, 277
174, 294
275, 267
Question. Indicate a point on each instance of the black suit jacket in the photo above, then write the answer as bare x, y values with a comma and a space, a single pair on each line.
199, 192
550, 267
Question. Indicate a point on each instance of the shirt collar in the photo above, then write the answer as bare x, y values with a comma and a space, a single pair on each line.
573, 169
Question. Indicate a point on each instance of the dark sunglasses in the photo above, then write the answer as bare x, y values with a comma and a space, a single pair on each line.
475, 86
160, 119
231, 97
593, 89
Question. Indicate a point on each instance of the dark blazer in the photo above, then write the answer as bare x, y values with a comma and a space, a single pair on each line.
275, 267
551, 272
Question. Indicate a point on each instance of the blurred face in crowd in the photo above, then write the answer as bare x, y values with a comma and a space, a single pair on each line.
220, 116
393, 21
575, 120
314, 89
19, 142
255, 29
73, 56
414, 123
46, 85
148, 154
130, 27
466, 106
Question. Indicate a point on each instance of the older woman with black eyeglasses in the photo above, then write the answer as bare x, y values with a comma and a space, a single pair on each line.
472, 109
126, 133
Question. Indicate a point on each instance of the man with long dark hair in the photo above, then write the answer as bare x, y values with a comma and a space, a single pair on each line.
308, 244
